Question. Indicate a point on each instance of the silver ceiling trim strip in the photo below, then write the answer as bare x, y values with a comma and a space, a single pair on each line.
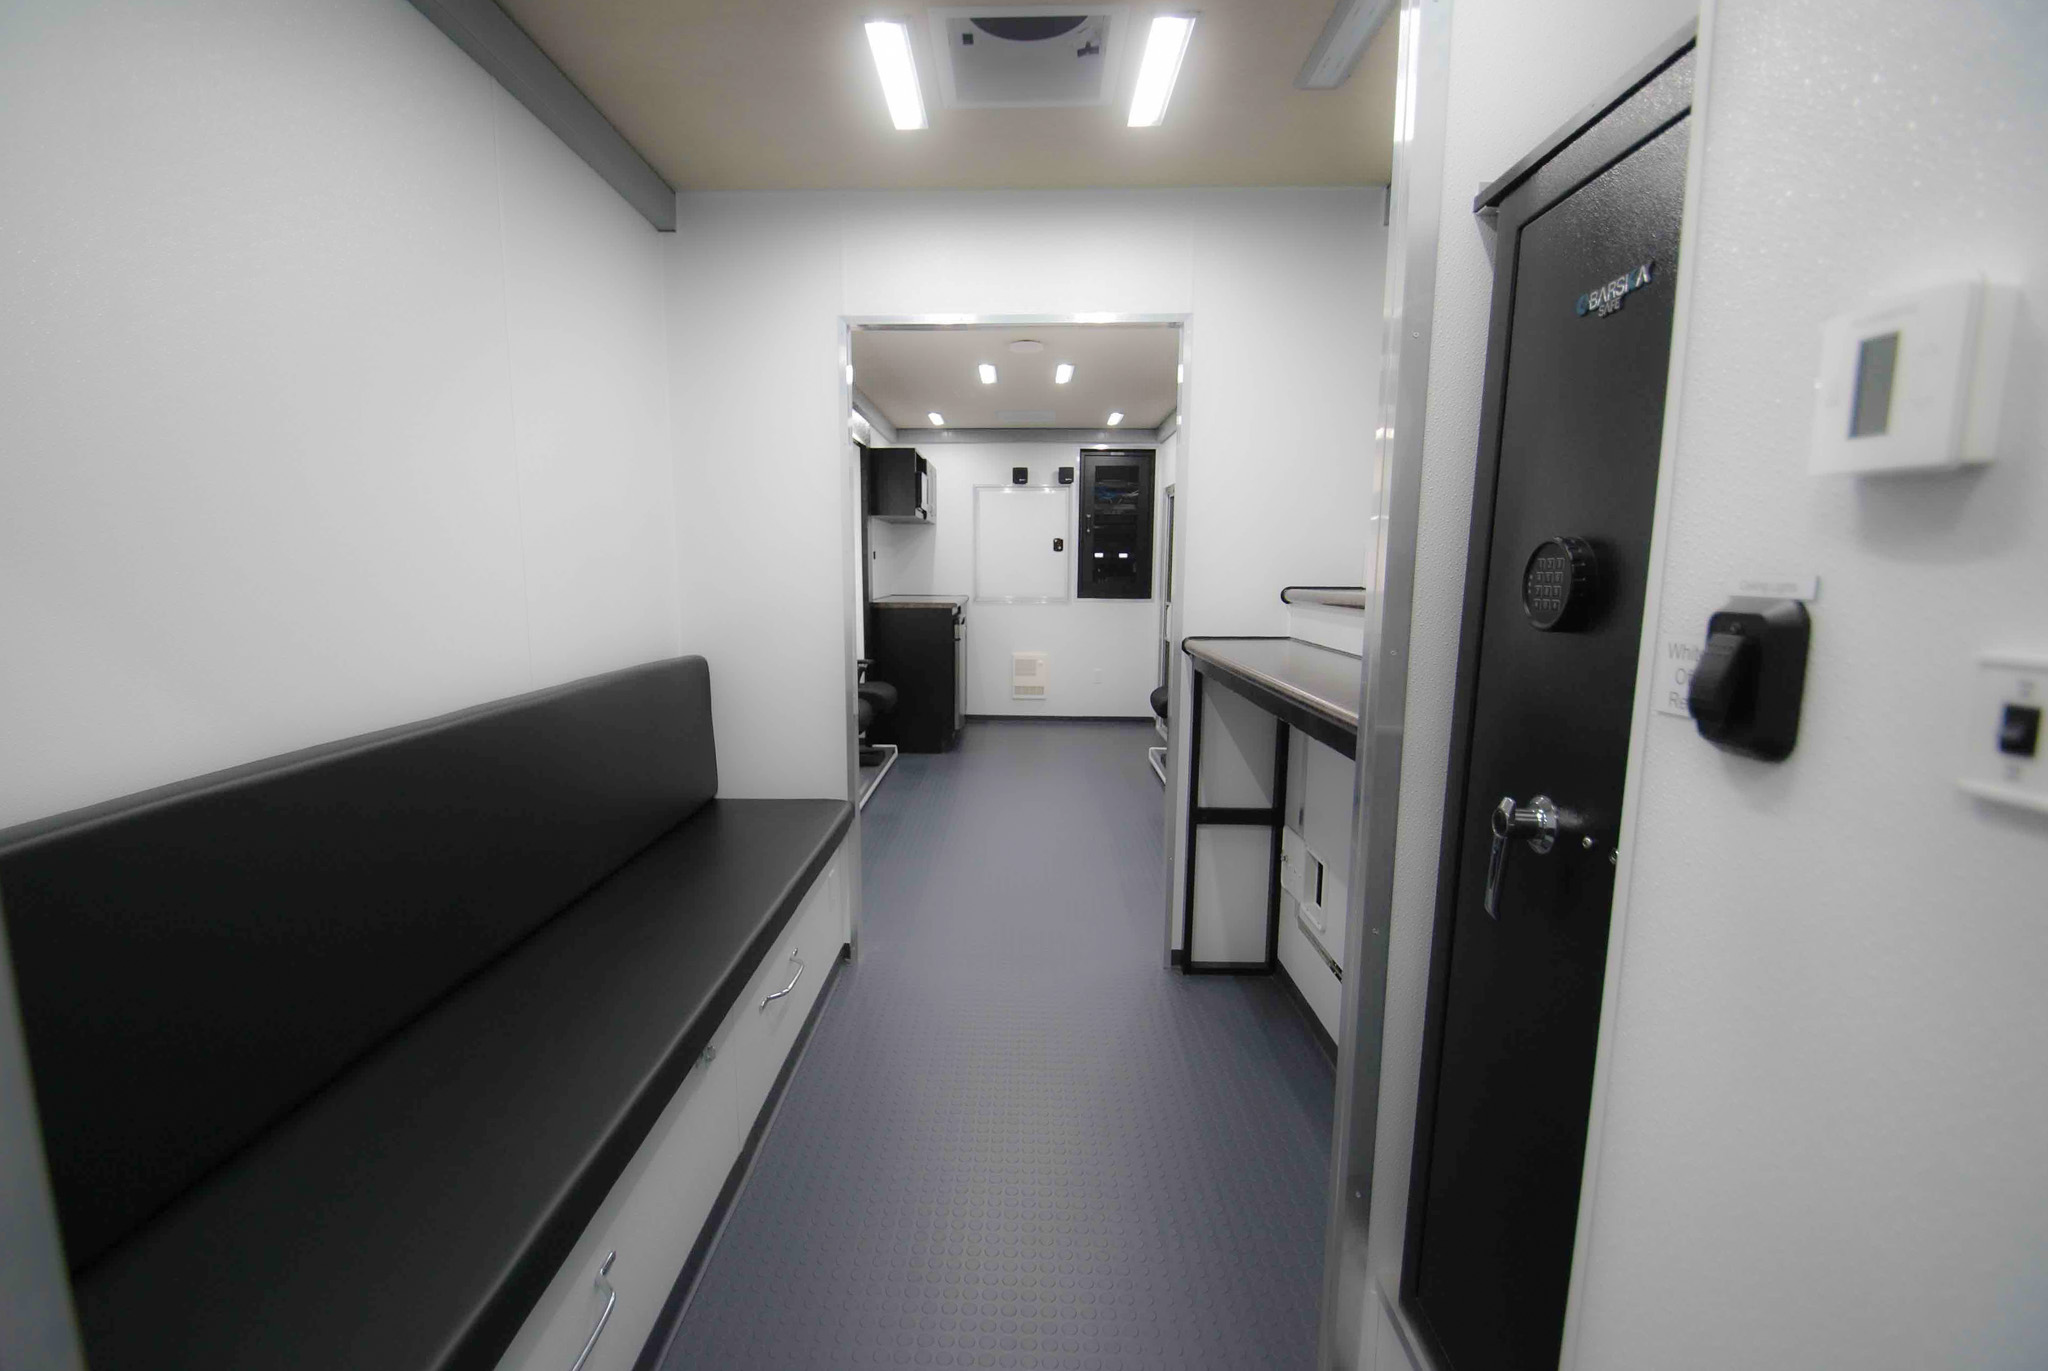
879, 422
1067, 437
516, 62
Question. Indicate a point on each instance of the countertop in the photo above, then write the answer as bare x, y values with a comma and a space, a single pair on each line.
1313, 688
919, 602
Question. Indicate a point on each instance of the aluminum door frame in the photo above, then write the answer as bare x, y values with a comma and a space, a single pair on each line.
1421, 88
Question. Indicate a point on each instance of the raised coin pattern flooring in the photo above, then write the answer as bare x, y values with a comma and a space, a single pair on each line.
1015, 1138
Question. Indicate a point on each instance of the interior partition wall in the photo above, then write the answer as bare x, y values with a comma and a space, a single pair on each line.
1414, 198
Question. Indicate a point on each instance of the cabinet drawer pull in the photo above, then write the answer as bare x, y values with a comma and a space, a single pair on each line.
767, 999
611, 1297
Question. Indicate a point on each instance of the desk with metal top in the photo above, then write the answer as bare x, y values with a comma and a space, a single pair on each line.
1300, 685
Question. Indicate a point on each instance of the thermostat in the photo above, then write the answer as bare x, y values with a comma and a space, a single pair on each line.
1915, 382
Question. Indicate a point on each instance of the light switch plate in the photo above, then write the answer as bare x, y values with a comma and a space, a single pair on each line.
2003, 679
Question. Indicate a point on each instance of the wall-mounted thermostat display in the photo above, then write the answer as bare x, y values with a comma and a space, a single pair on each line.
1914, 383
2005, 750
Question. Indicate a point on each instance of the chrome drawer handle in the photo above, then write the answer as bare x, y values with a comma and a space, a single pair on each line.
611, 1297
767, 999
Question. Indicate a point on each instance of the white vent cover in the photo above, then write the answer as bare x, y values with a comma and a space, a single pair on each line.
1030, 675
1027, 56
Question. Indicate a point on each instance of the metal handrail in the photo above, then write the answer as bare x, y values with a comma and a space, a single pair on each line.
1343, 597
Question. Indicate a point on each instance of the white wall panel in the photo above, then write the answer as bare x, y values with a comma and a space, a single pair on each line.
589, 404
761, 279
1119, 638
759, 449
1025, 252
261, 485
1826, 1098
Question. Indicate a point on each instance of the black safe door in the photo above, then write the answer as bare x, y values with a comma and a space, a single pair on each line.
1576, 371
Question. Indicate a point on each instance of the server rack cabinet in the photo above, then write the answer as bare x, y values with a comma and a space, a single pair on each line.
1116, 524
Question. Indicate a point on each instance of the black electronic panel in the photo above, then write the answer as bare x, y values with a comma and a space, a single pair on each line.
1116, 525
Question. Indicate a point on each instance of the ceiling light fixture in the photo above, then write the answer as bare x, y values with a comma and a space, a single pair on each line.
988, 373
1345, 38
938, 419
1063, 373
1164, 47
1116, 416
889, 41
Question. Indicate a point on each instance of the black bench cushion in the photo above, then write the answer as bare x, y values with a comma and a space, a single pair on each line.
196, 961
411, 1215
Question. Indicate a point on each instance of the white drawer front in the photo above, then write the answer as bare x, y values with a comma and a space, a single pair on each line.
763, 1034
650, 1218
654, 1213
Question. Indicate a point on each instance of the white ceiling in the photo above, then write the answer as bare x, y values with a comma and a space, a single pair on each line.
1127, 367
782, 94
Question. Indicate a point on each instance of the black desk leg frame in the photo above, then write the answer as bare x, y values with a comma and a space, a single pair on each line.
1201, 816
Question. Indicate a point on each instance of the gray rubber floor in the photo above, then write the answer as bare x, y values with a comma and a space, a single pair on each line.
1015, 1139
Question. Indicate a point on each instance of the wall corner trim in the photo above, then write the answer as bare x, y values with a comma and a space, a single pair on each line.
516, 62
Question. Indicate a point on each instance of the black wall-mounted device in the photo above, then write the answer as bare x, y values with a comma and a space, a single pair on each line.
1116, 525
1747, 685
899, 485
1066, 476
1020, 476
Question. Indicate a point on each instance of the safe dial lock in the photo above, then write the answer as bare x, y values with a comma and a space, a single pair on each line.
1559, 583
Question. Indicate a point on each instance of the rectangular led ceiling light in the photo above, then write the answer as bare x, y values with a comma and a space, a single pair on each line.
988, 374
1063, 373
889, 41
938, 419
1164, 47
1116, 416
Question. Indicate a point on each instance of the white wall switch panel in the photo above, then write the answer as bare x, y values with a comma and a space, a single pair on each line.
1914, 382
2005, 755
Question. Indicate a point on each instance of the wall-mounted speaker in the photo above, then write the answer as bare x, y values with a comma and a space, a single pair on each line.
1066, 476
1020, 476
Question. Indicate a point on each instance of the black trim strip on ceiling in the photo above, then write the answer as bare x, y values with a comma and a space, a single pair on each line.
516, 62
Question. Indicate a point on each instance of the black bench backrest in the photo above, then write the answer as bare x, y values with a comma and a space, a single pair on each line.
195, 961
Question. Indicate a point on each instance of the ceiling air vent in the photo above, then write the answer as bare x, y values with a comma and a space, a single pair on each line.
1027, 56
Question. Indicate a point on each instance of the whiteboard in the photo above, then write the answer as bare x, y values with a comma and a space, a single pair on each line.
1015, 528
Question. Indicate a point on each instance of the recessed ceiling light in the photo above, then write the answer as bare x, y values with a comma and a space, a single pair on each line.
988, 373
1027, 346
889, 41
1063, 373
1164, 47
938, 419
1116, 416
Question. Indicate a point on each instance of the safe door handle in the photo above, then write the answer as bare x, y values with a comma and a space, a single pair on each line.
611, 1300
1535, 821
766, 1000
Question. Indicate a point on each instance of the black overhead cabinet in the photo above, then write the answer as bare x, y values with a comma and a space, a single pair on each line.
900, 485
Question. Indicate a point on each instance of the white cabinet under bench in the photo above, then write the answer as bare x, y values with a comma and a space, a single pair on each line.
605, 1300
